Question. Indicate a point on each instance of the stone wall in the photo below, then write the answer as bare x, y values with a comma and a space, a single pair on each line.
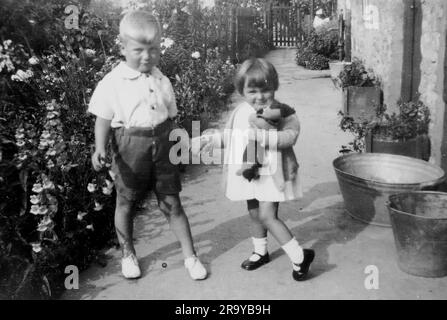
433, 43
377, 36
377, 39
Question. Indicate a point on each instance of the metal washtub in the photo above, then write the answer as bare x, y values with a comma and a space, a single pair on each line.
366, 181
419, 221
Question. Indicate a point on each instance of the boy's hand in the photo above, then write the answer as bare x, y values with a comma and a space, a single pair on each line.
98, 159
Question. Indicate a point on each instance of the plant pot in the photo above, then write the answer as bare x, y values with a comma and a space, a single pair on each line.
418, 147
360, 102
419, 222
336, 67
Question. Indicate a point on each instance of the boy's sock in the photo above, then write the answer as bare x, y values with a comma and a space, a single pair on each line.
295, 252
260, 247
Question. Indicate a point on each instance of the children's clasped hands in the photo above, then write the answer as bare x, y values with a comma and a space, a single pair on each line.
212, 139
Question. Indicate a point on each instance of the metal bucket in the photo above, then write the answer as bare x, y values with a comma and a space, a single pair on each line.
366, 181
419, 221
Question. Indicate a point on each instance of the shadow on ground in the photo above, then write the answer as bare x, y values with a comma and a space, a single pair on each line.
322, 226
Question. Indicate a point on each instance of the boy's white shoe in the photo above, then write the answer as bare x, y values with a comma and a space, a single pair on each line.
195, 268
129, 267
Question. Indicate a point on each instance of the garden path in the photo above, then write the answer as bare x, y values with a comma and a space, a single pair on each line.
344, 247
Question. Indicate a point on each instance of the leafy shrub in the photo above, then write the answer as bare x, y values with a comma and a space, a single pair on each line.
318, 48
412, 119
54, 209
355, 74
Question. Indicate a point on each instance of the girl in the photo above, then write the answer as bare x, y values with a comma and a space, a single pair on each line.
257, 80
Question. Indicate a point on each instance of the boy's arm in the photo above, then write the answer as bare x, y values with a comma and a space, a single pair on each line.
102, 130
172, 105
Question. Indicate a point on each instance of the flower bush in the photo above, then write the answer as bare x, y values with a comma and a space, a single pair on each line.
319, 47
55, 211
356, 75
412, 119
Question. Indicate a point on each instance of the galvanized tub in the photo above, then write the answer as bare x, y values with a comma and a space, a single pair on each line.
419, 222
366, 181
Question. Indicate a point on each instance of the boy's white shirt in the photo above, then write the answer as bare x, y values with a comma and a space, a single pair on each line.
130, 98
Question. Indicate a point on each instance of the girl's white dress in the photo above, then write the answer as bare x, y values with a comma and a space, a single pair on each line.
262, 189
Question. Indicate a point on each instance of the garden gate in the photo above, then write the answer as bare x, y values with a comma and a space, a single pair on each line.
284, 22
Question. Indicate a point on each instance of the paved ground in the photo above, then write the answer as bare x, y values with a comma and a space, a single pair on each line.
344, 247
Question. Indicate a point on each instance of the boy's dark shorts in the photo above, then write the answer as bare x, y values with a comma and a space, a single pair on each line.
141, 161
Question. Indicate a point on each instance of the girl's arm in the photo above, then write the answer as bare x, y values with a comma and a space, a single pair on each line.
286, 135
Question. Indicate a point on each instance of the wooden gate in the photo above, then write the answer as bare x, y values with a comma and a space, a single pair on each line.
284, 22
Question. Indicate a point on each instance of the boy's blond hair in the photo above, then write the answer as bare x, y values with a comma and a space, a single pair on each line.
139, 25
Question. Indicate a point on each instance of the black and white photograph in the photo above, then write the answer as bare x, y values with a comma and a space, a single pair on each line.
221, 155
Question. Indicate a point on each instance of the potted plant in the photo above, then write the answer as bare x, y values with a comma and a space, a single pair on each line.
402, 133
361, 90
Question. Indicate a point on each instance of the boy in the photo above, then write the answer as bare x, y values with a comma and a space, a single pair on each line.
136, 102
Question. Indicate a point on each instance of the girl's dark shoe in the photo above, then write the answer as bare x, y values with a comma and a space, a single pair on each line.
252, 265
301, 274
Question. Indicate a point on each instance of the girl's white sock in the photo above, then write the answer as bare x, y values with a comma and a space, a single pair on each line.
260, 245
294, 251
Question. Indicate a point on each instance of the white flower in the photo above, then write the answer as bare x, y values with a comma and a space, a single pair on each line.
81, 215
48, 185
90, 52
19, 136
34, 199
107, 191
51, 115
51, 152
37, 188
185, 9
91, 187
22, 75
43, 210
167, 43
23, 156
50, 164
34, 209
177, 77
36, 247
43, 142
33, 61
7, 43
20, 143
165, 26
195, 55
44, 224
90, 227
98, 206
